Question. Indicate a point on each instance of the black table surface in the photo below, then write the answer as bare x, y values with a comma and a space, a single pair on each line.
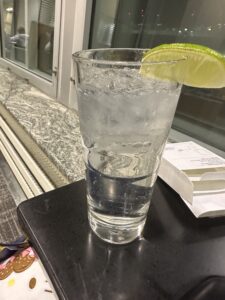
177, 251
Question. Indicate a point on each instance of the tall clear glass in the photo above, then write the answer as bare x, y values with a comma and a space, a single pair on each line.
125, 119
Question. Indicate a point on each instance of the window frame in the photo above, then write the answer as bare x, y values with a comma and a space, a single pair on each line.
71, 33
82, 23
45, 85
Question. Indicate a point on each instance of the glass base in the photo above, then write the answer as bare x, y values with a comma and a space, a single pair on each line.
116, 230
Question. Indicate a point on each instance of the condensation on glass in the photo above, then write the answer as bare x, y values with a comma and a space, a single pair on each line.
148, 23
27, 34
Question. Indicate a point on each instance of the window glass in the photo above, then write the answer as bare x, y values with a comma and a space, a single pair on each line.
27, 34
148, 23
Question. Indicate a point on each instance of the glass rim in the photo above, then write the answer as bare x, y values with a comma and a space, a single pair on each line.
79, 57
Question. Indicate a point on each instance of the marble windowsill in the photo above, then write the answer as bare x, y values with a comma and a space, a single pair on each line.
54, 127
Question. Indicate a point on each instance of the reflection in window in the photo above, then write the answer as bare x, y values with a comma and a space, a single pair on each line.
27, 34
15, 39
148, 23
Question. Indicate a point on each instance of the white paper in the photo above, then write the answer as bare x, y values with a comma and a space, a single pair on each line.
197, 175
189, 156
207, 205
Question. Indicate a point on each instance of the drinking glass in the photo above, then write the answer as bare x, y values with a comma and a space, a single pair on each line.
125, 118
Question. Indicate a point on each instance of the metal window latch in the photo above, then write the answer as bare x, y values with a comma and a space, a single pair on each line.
55, 71
72, 80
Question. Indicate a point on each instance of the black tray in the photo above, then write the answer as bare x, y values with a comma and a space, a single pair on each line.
177, 250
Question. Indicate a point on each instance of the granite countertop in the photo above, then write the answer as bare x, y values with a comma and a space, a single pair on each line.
54, 127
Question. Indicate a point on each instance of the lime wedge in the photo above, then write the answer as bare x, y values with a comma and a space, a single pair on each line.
189, 64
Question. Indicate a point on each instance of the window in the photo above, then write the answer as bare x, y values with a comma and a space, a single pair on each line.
28, 40
147, 23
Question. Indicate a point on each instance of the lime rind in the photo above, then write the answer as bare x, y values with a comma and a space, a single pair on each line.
189, 47
193, 65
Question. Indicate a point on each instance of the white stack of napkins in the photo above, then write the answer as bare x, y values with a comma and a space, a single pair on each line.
197, 175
